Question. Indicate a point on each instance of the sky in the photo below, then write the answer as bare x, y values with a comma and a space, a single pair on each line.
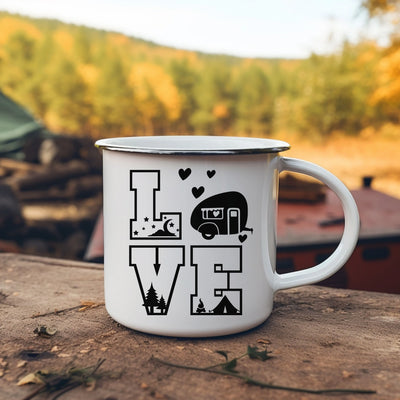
245, 28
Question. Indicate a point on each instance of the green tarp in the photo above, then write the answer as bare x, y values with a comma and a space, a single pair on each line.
16, 126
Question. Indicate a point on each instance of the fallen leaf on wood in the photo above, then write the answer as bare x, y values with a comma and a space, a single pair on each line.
33, 377
264, 341
347, 374
22, 364
89, 304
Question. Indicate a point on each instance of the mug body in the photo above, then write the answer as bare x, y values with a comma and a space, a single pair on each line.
189, 239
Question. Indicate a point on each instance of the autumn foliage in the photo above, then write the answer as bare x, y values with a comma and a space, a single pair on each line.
86, 81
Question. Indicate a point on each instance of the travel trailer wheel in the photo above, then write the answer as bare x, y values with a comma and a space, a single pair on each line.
208, 231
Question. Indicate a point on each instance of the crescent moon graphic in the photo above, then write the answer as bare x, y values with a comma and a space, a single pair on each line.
165, 226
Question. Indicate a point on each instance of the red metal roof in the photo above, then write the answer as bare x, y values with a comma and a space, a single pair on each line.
306, 223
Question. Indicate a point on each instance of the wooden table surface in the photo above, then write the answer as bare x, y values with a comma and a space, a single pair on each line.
320, 338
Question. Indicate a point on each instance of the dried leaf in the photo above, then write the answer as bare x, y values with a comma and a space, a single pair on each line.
264, 341
144, 385
86, 304
33, 377
347, 374
22, 364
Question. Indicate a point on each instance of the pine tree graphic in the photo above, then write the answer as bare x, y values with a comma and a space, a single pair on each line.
162, 305
151, 300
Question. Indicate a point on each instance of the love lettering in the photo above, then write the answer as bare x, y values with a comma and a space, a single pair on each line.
157, 265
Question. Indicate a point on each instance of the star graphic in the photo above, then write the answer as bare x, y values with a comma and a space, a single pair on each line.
171, 224
136, 233
146, 219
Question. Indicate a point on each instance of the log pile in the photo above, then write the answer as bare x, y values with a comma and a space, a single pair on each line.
49, 202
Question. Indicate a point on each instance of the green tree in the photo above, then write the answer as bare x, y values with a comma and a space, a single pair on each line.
67, 107
82, 45
214, 96
158, 100
17, 64
113, 100
254, 105
185, 78
36, 98
336, 93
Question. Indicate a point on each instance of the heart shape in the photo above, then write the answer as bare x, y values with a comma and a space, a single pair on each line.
215, 213
184, 173
197, 192
242, 238
211, 173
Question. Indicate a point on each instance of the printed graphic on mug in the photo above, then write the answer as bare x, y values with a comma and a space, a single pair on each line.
221, 214
157, 266
146, 224
190, 232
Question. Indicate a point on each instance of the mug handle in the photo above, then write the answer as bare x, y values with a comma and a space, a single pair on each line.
350, 234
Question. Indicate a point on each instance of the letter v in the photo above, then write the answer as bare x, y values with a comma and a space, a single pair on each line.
157, 269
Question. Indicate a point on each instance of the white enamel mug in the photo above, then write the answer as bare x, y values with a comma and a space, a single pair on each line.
190, 232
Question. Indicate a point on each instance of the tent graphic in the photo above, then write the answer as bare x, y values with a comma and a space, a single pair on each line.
225, 307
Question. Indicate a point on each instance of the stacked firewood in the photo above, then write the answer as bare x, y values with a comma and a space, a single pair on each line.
50, 200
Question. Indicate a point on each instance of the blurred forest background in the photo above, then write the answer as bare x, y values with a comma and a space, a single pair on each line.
85, 81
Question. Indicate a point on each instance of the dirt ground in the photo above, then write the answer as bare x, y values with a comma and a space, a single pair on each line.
351, 158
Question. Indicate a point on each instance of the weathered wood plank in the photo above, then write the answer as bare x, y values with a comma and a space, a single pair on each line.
320, 338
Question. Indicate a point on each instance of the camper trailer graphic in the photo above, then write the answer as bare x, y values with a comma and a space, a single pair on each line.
222, 214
